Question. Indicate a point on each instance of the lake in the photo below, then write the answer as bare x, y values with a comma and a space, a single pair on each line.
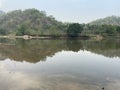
59, 64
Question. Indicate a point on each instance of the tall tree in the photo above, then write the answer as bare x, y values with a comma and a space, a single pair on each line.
74, 30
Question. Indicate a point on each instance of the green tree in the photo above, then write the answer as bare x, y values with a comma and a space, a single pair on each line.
74, 30
118, 29
3, 32
110, 29
21, 30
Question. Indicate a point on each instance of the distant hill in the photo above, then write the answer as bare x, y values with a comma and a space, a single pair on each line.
30, 22
2, 12
111, 20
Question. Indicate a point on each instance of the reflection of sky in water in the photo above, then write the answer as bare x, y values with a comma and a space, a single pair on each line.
65, 70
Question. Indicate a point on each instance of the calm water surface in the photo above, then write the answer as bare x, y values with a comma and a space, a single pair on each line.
59, 64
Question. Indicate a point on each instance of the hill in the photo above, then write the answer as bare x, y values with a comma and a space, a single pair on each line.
2, 12
36, 23
111, 20
30, 22
106, 26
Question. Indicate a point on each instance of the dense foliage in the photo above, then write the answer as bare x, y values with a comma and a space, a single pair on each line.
101, 29
30, 22
74, 30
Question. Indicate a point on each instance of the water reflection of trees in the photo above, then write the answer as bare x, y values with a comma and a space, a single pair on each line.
74, 45
31, 50
37, 50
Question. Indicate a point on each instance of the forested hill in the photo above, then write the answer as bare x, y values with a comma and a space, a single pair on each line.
36, 23
30, 22
111, 20
1, 12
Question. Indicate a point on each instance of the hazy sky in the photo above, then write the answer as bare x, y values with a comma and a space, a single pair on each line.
68, 10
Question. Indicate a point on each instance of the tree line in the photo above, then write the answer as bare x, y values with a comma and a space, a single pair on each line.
37, 23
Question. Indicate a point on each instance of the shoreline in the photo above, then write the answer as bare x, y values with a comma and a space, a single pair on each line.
94, 37
42, 37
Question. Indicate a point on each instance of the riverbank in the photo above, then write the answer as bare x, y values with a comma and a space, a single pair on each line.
43, 37
94, 37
